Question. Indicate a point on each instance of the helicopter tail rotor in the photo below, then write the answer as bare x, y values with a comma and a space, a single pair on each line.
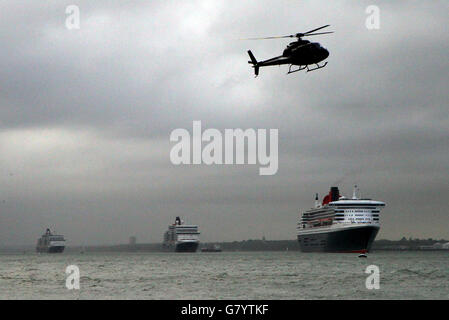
254, 63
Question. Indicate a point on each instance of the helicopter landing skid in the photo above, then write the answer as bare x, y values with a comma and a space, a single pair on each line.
299, 69
318, 67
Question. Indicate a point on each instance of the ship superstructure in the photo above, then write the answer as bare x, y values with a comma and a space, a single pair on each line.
340, 224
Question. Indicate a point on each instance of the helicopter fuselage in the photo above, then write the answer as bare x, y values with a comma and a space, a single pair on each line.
299, 53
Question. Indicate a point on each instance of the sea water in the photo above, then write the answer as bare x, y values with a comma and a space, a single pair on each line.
226, 275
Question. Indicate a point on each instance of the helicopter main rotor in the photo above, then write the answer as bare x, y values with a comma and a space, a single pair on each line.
297, 35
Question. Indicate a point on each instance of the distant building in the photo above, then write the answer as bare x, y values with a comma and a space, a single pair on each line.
132, 241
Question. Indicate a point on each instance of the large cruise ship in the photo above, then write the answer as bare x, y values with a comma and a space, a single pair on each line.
339, 224
51, 243
181, 237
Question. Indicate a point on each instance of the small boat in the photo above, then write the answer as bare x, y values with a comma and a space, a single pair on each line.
362, 255
215, 248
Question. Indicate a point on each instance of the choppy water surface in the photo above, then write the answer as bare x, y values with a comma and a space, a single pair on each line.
225, 275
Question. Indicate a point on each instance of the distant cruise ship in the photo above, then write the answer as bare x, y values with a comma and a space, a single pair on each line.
339, 224
181, 237
51, 243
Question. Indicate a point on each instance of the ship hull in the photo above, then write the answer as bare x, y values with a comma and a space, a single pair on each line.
186, 246
350, 239
56, 249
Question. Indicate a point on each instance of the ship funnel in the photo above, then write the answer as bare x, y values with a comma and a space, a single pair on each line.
335, 194
316, 200
178, 221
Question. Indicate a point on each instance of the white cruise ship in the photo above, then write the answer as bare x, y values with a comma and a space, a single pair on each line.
181, 237
51, 243
339, 224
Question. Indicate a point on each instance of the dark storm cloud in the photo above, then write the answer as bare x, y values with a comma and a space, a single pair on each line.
86, 115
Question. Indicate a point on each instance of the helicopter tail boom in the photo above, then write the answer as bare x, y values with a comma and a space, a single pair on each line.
254, 63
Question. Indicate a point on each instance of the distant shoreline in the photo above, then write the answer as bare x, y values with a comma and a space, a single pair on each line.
245, 246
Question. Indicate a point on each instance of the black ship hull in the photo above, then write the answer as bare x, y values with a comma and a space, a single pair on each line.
55, 249
186, 246
351, 239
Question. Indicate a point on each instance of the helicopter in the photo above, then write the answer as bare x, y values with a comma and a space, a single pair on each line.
301, 53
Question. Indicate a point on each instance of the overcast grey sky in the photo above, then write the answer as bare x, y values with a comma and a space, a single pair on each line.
86, 116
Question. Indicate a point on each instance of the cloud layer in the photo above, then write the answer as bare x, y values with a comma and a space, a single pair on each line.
86, 115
